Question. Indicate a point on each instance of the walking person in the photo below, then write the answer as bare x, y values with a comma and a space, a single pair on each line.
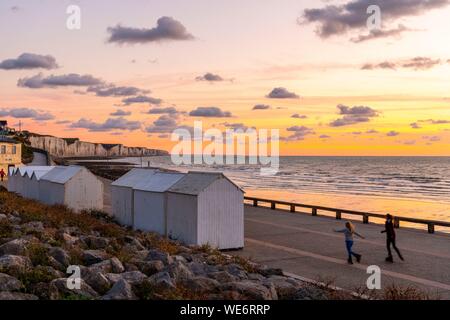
349, 231
390, 238
2, 174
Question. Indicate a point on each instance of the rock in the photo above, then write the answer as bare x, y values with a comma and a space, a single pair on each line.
132, 277
201, 268
13, 262
255, 276
131, 266
236, 270
48, 270
58, 290
161, 281
251, 289
310, 293
134, 242
16, 247
179, 271
180, 259
120, 291
14, 219
3, 216
151, 267
6, 295
60, 255
159, 255
267, 272
201, 284
95, 242
68, 239
113, 277
8, 283
94, 256
97, 281
222, 276
116, 265
36, 226
286, 288
55, 264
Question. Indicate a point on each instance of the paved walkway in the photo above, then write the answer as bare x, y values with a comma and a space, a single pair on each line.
307, 246
39, 159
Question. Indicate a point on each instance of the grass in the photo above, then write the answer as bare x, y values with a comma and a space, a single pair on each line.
146, 291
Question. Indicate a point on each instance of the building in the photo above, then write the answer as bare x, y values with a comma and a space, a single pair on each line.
206, 208
196, 208
10, 154
122, 194
73, 186
20, 177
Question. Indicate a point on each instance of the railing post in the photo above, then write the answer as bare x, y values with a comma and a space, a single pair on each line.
366, 219
272, 206
292, 208
314, 212
255, 203
338, 215
431, 228
396, 223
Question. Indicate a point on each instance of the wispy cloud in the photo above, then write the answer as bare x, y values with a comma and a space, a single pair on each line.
141, 100
24, 113
29, 61
353, 115
66, 80
109, 125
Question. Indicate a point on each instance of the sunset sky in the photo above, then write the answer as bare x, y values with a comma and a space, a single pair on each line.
138, 69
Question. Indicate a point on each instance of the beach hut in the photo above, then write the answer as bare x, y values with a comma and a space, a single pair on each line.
206, 208
150, 201
74, 186
22, 177
33, 187
12, 179
122, 194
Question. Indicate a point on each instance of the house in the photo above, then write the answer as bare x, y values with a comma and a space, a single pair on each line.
206, 208
122, 194
73, 186
10, 154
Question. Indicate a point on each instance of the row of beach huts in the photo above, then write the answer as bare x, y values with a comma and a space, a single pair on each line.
196, 207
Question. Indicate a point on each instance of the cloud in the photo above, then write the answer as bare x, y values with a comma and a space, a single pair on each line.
417, 63
141, 99
299, 133
15, 8
29, 61
109, 125
169, 110
378, 34
409, 142
298, 116
72, 79
433, 121
237, 126
210, 112
26, 113
112, 90
372, 131
63, 122
120, 113
324, 136
282, 93
392, 133
333, 20
415, 125
353, 115
166, 29
261, 107
210, 77
432, 138
164, 124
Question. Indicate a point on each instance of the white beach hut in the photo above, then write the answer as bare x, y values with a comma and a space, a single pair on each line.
12, 179
74, 186
33, 186
206, 208
122, 194
22, 177
150, 201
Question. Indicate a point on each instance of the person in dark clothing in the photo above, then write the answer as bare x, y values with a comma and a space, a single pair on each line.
390, 238
2, 174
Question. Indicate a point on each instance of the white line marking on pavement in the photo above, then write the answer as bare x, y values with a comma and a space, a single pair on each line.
393, 274
340, 236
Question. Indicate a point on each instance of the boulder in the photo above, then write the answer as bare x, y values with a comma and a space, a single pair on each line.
150, 267
6, 295
310, 293
179, 271
36, 226
13, 262
222, 276
97, 281
201, 268
134, 243
120, 291
94, 256
94, 242
9, 283
202, 284
253, 290
3, 216
236, 270
58, 290
15, 247
68, 239
286, 288
116, 265
132, 277
60, 255
112, 265
159, 255
161, 281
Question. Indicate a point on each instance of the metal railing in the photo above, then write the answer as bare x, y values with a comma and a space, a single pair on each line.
338, 212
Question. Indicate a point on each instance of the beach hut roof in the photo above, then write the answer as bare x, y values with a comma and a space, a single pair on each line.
159, 182
30, 169
39, 174
134, 177
194, 182
61, 174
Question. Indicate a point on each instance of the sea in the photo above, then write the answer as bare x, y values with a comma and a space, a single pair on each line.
404, 186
